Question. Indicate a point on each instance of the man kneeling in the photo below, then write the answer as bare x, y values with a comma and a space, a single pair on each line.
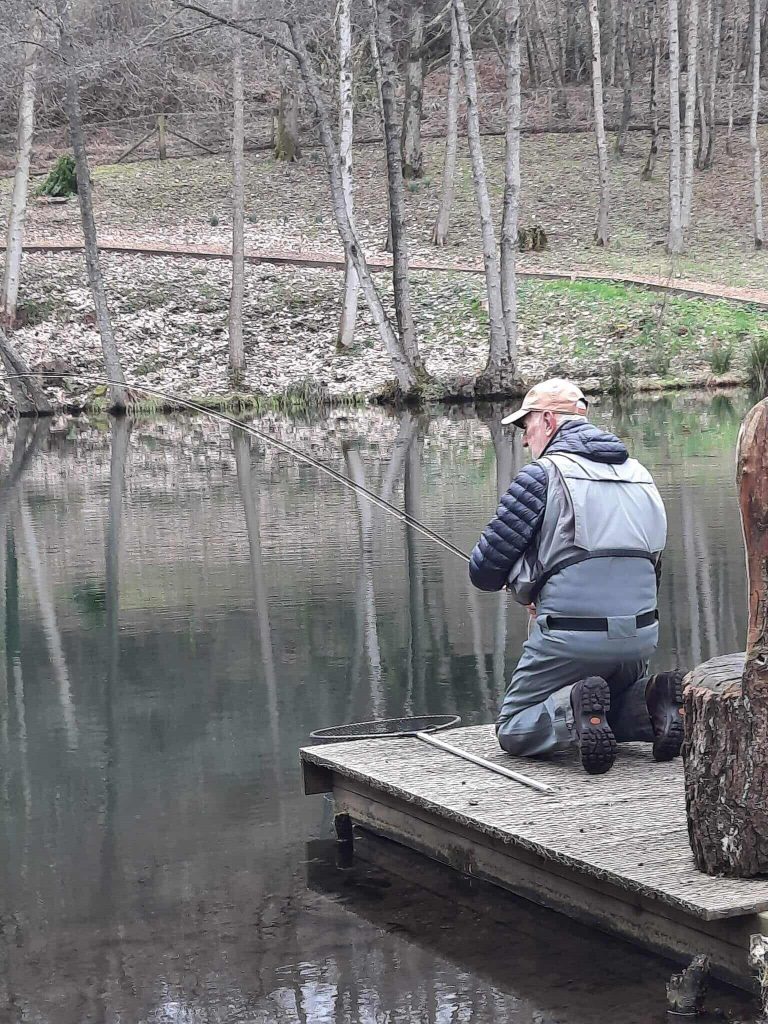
578, 538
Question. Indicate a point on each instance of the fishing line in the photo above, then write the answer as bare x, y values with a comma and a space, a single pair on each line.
299, 455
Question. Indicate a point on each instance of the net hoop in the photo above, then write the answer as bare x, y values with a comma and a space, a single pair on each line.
383, 727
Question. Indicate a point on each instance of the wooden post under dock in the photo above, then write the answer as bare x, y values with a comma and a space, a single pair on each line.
611, 851
726, 701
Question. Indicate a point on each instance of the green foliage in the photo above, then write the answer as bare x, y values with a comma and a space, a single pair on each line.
622, 370
720, 356
757, 363
62, 180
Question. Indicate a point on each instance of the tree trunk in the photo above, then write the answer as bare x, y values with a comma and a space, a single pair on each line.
400, 277
614, 30
675, 235
440, 232
757, 183
27, 393
346, 131
236, 350
731, 86
703, 106
498, 341
408, 376
571, 59
686, 201
501, 367
287, 143
376, 65
626, 77
653, 104
601, 233
714, 71
18, 212
117, 391
412, 156
554, 69
726, 712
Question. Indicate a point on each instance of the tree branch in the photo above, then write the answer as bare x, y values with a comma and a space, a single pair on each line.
241, 26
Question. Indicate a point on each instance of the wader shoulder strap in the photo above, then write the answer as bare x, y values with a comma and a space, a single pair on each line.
585, 556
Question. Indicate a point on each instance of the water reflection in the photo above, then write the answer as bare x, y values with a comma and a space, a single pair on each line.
182, 606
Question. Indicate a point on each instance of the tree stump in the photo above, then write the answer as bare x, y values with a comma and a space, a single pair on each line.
726, 702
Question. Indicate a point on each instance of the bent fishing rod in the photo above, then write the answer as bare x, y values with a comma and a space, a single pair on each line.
297, 453
309, 460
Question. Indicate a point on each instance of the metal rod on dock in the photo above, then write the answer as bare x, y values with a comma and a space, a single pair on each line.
542, 787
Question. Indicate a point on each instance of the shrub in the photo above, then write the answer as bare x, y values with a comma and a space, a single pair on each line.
621, 376
720, 357
213, 220
757, 363
62, 180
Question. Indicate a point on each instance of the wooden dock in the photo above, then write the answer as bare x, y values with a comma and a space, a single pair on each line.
611, 851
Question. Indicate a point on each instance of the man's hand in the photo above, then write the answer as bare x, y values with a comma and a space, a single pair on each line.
531, 609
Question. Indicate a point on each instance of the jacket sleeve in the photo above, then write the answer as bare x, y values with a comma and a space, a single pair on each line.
505, 538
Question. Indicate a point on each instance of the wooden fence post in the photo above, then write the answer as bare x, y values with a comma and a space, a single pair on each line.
726, 727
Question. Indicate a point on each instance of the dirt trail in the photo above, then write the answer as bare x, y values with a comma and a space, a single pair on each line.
311, 257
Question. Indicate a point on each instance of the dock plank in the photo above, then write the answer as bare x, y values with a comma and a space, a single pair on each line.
627, 828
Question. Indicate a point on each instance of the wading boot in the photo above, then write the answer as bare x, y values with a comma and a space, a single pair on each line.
591, 701
664, 700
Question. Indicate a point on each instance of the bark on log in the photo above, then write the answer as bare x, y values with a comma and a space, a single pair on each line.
726, 727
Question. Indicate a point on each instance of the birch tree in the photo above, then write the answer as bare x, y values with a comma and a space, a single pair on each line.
675, 234
117, 391
346, 131
410, 377
236, 348
757, 183
732, 83
18, 211
505, 362
440, 232
412, 155
714, 70
400, 278
626, 75
653, 102
686, 201
602, 231
498, 339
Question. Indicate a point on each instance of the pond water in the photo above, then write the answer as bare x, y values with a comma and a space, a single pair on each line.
182, 606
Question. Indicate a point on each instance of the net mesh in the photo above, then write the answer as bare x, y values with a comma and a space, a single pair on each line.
385, 727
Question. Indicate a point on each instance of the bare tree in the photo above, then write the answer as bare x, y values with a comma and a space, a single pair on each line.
27, 393
735, 31
498, 341
400, 278
653, 103
507, 363
602, 232
675, 234
690, 113
117, 390
287, 144
714, 70
554, 67
440, 232
236, 348
626, 75
346, 130
757, 183
18, 211
412, 155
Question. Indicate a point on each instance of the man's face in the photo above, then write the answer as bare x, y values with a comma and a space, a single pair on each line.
538, 428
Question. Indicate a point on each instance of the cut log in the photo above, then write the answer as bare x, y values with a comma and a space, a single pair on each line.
726, 709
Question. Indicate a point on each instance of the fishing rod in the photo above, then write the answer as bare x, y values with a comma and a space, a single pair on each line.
299, 455
309, 460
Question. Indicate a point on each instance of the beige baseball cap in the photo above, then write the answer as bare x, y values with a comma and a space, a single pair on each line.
554, 395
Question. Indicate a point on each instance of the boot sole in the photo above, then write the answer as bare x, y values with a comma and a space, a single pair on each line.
597, 744
669, 741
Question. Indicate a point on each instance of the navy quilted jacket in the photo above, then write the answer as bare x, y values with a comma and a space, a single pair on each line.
519, 516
